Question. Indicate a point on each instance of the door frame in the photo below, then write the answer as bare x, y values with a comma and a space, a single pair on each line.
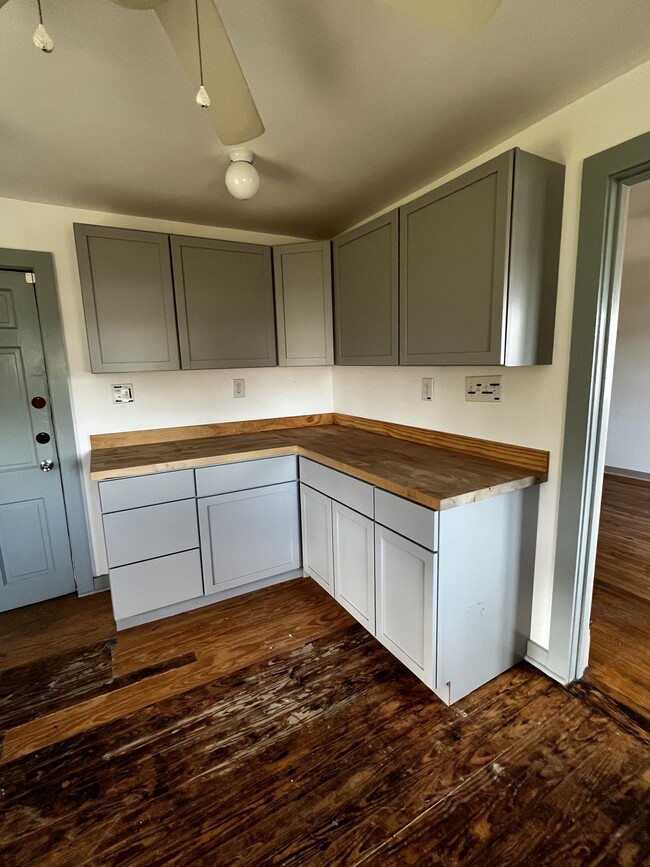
606, 179
56, 364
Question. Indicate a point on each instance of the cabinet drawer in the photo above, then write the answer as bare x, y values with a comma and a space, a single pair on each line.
406, 518
153, 584
118, 494
141, 534
345, 489
240, 476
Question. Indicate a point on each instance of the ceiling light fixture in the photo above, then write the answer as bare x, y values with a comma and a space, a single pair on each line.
41, 37
242, 178
202, 97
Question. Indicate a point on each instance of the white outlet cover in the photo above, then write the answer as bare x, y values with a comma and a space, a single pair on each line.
483, 389
123, 393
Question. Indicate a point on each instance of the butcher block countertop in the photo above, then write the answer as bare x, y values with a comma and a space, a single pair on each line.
438, 477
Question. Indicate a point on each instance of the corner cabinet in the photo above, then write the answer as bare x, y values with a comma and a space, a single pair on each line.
224, 303
128, 298
478, 266
365, 276
303, 303
448, 593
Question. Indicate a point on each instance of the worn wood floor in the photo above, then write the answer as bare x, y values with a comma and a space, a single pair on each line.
619, 659
271, 729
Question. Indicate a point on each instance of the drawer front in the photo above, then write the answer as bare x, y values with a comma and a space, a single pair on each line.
119, 494
141, 534
351, 492
153, 584
240, 476
408, 519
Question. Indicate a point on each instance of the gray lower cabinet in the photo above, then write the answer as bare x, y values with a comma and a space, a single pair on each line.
448, 593
224, 303
365, 277
406, 587
354, 563
128, 298
478, 265
338, 537
317, 551
152, 544
249, 535
303, 304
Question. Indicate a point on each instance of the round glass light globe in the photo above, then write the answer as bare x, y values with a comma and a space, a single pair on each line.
242, 180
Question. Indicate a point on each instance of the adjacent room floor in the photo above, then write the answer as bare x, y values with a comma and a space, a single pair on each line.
272, 729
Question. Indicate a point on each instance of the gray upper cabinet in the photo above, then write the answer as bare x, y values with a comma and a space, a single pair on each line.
128, 297
224, 302
303, 303
365, 273
478, 266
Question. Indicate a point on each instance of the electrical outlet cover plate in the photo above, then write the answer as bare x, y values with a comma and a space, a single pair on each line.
483, 388
123, 393
239, 388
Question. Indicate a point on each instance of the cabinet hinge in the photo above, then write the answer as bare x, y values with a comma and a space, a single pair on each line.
30, 277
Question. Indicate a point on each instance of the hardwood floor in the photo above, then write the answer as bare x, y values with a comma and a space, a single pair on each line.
272, 729
619, 659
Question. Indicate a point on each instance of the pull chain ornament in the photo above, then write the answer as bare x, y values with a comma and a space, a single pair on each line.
202, 97
41, 37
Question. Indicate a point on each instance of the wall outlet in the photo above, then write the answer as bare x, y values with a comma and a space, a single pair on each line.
239, 388
123, 393
483, 388
427, 388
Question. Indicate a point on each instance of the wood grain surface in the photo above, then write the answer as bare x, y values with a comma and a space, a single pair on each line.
203, 431
435, 477
317, 747
619, 658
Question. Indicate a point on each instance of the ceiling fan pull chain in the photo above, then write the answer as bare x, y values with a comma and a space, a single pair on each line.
202, 97
41, 37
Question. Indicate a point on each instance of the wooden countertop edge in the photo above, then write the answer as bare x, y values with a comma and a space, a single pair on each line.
408, 493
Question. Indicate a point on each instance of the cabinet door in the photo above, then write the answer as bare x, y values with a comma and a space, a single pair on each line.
316, 516
128, 296
224, 301
365, 271
406, 602
303, 301
354, 564
249, 535
453, 269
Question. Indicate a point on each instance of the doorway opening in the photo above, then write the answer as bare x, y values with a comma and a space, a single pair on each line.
619, 653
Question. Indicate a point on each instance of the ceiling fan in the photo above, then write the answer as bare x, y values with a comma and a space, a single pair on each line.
234, 114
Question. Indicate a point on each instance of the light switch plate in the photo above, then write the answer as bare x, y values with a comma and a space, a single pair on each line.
123, 393
483, 388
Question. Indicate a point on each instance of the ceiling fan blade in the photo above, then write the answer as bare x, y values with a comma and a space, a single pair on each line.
464, 18
232, 111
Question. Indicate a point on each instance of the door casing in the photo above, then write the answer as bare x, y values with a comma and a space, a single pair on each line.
41, 264
606, 178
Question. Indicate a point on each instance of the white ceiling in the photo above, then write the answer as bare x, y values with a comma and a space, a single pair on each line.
361, 104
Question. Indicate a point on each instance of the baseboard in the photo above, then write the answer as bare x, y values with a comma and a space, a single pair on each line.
537, 656
100, 584
636, 475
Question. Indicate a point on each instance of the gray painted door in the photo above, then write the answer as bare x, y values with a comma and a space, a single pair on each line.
35, 559
126, 283
224, 301
365, 276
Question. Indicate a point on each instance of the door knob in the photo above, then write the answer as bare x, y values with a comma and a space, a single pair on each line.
46, 465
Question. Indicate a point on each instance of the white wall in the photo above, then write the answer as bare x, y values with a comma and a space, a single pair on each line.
532, 411
162, 399
628, 438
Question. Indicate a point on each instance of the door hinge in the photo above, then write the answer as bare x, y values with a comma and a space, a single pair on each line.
30, 277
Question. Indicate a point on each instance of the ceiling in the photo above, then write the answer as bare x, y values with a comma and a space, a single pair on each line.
361, 104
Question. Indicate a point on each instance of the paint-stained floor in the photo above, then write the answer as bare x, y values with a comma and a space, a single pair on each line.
272, 729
